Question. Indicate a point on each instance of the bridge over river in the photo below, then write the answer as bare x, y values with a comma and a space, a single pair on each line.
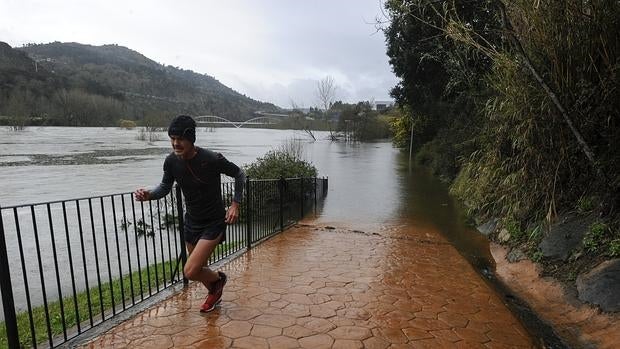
263, 119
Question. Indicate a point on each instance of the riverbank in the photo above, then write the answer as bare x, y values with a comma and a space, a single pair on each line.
580, 325
565, 274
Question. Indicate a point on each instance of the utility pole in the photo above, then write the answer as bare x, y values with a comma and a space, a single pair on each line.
411, 141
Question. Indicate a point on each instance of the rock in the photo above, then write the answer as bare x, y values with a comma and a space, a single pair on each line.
601, 285
504, 235
488, 228
329, 227
515, 255
565, 236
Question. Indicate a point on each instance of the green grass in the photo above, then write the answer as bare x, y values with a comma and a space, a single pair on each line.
594, 236
70, 314
614, 248
536, 256
586, 204
107, 290
222, 249
516, 233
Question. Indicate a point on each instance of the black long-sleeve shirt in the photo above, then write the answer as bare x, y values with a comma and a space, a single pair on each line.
200, 181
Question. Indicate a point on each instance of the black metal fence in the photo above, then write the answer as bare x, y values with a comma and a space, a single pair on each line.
66, 266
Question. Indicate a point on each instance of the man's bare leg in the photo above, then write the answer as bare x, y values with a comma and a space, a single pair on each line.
195, 268
190, 249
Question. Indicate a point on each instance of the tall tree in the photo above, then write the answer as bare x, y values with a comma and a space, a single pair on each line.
532, 81
326, 92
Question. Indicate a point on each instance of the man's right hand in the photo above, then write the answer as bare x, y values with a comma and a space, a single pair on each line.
142, 195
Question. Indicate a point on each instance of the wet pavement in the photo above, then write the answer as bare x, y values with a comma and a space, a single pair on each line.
402, 286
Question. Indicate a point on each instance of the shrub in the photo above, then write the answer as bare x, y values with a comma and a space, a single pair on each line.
285, 162
126, 124
440, 157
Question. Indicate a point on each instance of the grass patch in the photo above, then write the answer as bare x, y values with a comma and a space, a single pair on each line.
594, 237
614, 248
109, 292
536, 256
223, 249
586, 204
515, 230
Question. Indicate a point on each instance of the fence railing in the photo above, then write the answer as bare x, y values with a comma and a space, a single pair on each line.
67, 266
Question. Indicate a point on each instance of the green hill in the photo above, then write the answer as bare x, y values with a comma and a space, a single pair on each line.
83, 85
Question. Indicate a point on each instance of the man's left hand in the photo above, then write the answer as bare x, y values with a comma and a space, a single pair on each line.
233, 213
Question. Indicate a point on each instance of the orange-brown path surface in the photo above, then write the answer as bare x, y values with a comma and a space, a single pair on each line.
317, 287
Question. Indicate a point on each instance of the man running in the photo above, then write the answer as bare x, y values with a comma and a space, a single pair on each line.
197, 171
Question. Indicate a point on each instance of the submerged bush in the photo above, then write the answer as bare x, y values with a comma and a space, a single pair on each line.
276, 164
126, 124
285, 162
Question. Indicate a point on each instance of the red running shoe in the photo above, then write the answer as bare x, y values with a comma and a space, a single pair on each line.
215, 297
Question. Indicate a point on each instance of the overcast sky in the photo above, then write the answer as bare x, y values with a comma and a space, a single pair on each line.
271, 50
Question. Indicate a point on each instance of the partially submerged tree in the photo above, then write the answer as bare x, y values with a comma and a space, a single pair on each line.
326, 93
17, 111
296, 112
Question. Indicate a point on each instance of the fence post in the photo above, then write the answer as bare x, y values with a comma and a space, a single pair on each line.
281, 191
315, 196
248, 213
179, 196
10, 318
301, 197
326, 186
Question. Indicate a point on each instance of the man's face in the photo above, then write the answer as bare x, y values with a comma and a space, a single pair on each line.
183, 148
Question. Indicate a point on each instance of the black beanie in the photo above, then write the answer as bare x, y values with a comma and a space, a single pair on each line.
183, 126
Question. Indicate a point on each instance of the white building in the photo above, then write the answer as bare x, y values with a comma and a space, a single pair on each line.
383, 105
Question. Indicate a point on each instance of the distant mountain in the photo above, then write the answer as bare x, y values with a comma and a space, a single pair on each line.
76, 84
17, 70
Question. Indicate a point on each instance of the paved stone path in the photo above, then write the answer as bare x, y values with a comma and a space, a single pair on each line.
316, 287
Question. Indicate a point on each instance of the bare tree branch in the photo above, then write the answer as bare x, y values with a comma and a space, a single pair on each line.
326, 92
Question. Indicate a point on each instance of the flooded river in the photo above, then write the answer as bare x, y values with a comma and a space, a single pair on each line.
57, 163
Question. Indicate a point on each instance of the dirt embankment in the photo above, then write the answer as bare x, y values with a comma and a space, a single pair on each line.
580, 325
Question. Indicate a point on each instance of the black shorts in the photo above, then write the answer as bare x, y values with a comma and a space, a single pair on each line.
209, 231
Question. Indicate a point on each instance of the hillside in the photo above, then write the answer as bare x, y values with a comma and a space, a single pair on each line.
83, 85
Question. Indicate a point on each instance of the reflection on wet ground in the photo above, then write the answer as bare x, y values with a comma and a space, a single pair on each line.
326, 287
